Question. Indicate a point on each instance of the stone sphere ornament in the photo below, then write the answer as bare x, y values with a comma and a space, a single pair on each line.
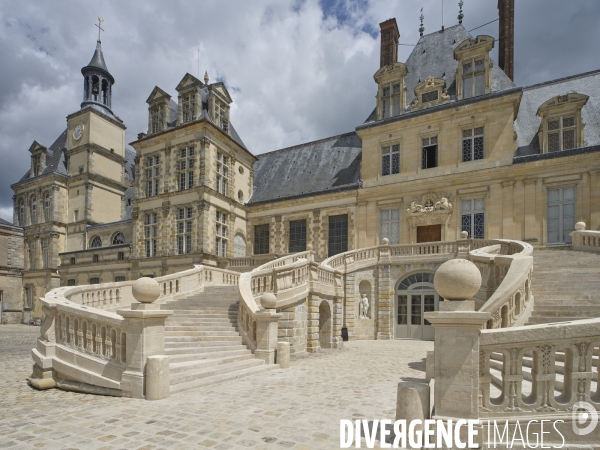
464, 234
385, 241
268, 300
145, 290
580, 226
457, 279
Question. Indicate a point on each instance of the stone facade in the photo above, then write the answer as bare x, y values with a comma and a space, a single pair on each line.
11, 273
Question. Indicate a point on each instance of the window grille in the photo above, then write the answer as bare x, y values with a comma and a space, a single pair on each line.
96, 242
152, 176
429, 152
222, 173
261, 239
473, 78
221, 239
338, 234
429, 96
189, 111
150, 234
33, 210
184, 231
390, 225
157, 119
390, 160
297, 236
472, 144
118, 239
473, 217
221, 115
390, 100
94, 280
561, 134
187, 163
47, 215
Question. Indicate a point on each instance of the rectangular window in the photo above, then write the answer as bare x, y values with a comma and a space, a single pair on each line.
222, 173
338, 234
221, 115
28, 297
71, 282
45, 254
184, 231
119, 279
473, 217
187, 103
152, 176
261, 239
94, 280
429, 152
390, 159
76, 215
47, 212
472, 144
72, 261
32, 255
95, 258
150, 234
297, 236
221, 239
429, 96
390, 225
187, 162
473, 78
120, 256
561, 134
561, 214
390, 100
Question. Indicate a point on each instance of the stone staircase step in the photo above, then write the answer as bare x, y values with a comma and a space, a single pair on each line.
205, 333
185, 338
198, 351
184, 367
191, 375
179, 357
201, 344
207, 381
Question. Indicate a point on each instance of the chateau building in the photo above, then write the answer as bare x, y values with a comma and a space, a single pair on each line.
451, 145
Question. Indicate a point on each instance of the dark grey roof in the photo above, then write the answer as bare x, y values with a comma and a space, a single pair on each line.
129, 197
97, 61
55, 158
527, 123
318, 167
5, 222
130, 164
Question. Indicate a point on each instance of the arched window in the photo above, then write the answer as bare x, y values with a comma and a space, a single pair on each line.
33, 210
21, 213
96, 242
118, 239
47, 215
239, 245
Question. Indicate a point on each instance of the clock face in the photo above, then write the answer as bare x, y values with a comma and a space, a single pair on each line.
78, 131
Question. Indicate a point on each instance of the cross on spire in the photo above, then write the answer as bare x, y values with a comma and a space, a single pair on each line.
460, 13
421, 28
99, 25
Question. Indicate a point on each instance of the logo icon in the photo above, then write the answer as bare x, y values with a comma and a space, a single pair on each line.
584, 413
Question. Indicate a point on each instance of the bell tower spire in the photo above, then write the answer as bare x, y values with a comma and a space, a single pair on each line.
97, 80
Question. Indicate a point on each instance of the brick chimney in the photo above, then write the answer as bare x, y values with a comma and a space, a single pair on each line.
506, 38
389, 42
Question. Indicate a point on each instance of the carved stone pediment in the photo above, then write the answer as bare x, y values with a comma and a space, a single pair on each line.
429, 209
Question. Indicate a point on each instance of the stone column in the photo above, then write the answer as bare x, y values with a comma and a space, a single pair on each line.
145, 328
457, 328
350, 300
531, 229
312, 323
507, 209
336, 341
266, 329
384, 294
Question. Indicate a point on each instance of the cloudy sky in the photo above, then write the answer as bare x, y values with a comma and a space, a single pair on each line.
298, 70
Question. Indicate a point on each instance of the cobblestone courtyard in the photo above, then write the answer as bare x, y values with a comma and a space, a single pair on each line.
298, 408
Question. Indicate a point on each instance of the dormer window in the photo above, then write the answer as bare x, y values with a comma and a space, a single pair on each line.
390, 100
562, 125
473, 78
429, 96
221, 115
157, 119
35, 161
431, 92
189, 112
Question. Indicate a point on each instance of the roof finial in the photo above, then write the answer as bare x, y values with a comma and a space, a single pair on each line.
206, 76
421, 28
99, 25
460, 13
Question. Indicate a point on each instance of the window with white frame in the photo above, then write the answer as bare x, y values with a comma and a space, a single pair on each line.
472, 216
21, 212
561, 133
472, 144
429, 152
157, 119
390, 100
390, 159
473, 82
222, 173
187, 103
150, 234
187, 158
390, 225
184, 231
152, 176
221, 239
45, 254
221, 115
47, 211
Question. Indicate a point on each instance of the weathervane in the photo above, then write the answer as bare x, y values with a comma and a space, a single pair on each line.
460, 13
99, 25
421, 28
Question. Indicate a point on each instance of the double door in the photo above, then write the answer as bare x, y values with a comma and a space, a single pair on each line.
410, 314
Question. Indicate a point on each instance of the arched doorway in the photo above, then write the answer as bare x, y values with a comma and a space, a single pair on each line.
239, 246
415, 296
325, 326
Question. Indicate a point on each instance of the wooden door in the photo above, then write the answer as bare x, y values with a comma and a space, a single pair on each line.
429, 233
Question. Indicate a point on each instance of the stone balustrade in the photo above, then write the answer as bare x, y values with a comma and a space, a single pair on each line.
585, 240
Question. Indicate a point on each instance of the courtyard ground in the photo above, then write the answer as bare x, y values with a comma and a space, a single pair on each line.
298, 408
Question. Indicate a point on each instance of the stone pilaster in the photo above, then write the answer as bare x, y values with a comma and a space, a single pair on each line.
530, 207
88, 202
278, 236
507, 209
312, 329
337, 317
316, 233
384, 297
349, 310
203, 227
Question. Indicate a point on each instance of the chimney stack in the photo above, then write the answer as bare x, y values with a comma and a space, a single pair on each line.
506, 49
389, 42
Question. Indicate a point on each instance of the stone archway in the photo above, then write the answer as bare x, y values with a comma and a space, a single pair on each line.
325, 325
239, 246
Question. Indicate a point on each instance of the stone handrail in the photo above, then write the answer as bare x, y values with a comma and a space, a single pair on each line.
290, 278
573, 344
111, 296
585, 240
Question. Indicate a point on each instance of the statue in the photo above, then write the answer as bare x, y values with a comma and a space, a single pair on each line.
363, 307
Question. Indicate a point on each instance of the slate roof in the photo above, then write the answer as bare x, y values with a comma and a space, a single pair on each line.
433, 56
97, 61
5, 222
55, 158
319, 167
527, 123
